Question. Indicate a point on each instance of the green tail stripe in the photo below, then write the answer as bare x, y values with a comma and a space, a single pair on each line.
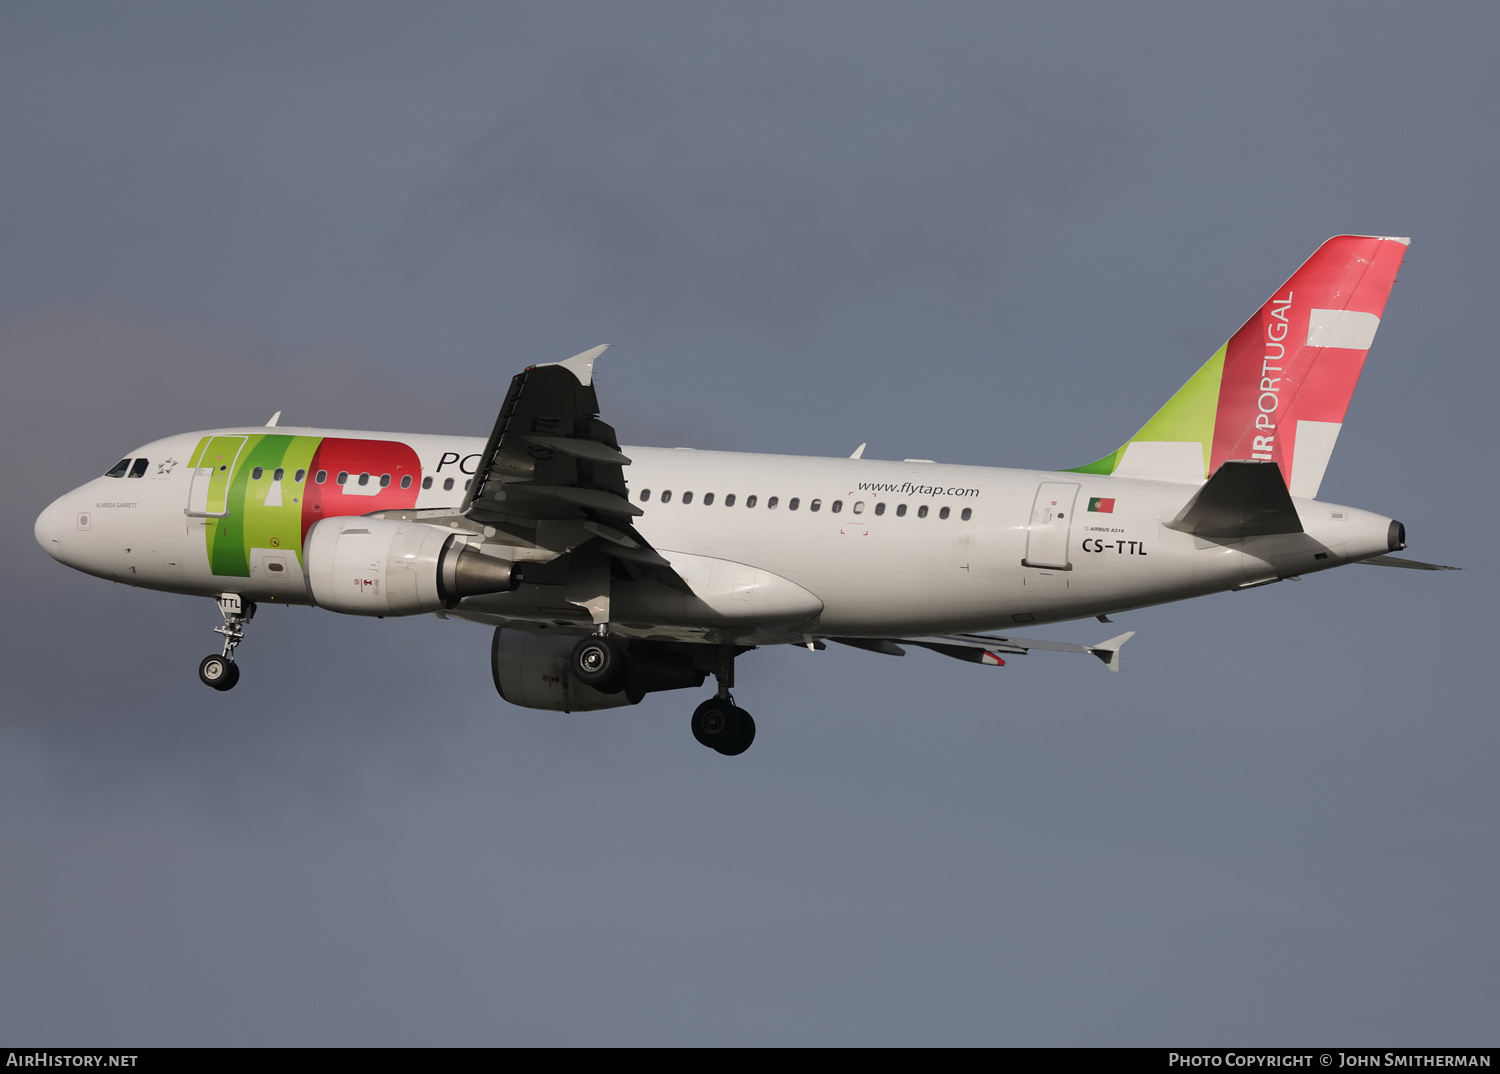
1187, 416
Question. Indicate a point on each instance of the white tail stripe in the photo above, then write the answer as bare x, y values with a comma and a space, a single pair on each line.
1163, 460
1314, 447
1342, 328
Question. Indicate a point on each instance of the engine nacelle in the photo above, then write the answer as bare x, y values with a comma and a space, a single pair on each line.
379, 566
535, 671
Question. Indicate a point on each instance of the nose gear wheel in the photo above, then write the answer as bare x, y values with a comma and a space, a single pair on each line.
220, 671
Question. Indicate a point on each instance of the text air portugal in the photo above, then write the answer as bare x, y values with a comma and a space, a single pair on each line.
1298, 359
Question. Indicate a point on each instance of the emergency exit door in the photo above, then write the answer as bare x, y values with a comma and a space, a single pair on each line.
208, 495
1051, 522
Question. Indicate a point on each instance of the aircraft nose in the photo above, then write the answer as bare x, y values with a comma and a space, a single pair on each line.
57, 520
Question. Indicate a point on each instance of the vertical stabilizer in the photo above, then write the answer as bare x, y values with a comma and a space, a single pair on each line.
1278, 390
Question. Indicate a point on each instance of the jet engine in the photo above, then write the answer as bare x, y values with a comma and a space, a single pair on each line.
534, 671
378, 566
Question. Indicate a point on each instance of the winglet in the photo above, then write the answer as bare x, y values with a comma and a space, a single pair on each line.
274, 419
582, 365
858, 452
1109, 651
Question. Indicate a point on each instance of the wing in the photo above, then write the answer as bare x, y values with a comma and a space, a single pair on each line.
987, 648
551, 469
549, 456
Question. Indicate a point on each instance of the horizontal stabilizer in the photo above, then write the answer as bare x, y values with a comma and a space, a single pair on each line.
1409, 564
1244, 498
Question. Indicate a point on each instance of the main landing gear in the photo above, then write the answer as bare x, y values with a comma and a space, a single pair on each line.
221, 672
722, 725
719, 723
601, 662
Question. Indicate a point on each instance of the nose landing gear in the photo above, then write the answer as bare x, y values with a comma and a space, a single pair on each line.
221, 672
719, 723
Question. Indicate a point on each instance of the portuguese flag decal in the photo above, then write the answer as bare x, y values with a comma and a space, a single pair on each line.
1102, 505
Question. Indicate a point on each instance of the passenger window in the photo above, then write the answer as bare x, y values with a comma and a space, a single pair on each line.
427, 482
729, 500
687, 497
968, 514
298, 476
139, 469
119, 468
447, 484
922, 511
943, 513
320, 477
645, 495
859, 507
468, 483
343, 478
836, 506
274, 567
406, 481
749, 501
771, 503
666, 497
278, 474
793, 504
901, 510
385, 481
880, 508
257, 473
708, 499
815, 505
364, 479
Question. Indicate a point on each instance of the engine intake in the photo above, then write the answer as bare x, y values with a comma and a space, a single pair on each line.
535, 671
378, 566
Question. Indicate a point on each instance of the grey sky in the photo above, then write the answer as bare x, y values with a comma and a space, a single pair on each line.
958, 232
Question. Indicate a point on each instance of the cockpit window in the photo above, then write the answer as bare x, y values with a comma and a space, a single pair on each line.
119, 468
139, 469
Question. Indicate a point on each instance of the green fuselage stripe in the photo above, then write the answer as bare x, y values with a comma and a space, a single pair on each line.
253, 522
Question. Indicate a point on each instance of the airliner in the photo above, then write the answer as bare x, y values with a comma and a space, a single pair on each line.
610, 572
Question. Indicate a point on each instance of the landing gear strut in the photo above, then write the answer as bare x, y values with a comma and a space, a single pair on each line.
719, 723
221, 672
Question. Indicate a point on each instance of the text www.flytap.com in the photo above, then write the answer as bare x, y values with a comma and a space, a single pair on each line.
906, 488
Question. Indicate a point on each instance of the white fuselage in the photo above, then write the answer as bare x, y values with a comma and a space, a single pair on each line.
781, 547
